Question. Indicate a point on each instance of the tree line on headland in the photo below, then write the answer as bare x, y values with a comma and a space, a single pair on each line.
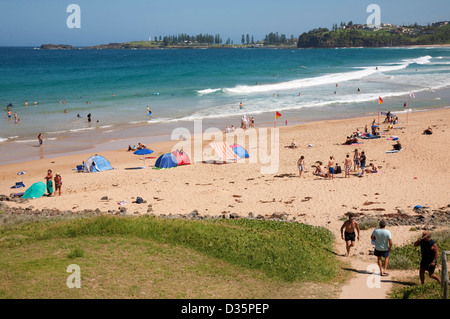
350, 35
346, 35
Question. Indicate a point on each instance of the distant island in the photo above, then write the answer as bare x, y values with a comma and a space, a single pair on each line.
386, 35
346, 35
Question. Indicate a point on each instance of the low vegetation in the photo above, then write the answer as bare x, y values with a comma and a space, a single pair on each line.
148, 257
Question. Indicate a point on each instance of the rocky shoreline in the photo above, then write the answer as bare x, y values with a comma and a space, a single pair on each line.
423, 218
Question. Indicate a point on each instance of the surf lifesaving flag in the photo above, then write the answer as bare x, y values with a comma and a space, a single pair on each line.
277, 115
380, 100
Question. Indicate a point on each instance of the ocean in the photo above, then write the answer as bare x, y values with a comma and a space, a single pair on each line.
183, 85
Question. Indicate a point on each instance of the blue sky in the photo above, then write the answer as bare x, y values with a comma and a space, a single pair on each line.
34, 22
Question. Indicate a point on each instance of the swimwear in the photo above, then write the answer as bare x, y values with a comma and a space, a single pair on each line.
379, 253
349, 236
347, 169
50, 186
331, 170
300, 167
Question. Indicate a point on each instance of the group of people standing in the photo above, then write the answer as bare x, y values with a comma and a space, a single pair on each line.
49, 183
358, 162
382, 240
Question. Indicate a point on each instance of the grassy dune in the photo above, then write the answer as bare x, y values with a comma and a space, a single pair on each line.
147, 257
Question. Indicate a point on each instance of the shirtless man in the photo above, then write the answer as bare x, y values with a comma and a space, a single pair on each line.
348, 165
331, 167
349, 226
356, 159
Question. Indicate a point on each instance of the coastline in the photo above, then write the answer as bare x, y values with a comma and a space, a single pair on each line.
418, 175
14, 152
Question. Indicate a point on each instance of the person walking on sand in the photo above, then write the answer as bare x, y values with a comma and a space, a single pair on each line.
348, 229
301, 165
40, 139
49, 179
58, 183
356, 159
347, 165
430, 254
383, 244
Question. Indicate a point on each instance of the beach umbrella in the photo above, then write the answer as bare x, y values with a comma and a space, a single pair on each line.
21, 173
37, 190
143, 151
240, 151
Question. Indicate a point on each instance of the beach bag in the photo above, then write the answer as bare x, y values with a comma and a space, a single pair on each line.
139, 200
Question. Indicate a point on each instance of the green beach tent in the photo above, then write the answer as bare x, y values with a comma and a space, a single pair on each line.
37, 190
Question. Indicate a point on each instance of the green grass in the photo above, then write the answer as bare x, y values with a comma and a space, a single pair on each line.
408, 256
430, 290
147, 257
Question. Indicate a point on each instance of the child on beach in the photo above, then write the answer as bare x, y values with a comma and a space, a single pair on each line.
301, 165
58, 183
348, 165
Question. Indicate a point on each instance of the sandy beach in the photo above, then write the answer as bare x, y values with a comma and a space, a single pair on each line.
417, 175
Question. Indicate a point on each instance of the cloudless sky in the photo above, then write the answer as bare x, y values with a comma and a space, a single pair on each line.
34, 22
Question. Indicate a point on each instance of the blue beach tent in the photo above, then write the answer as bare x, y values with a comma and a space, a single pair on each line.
96, 163
167, 160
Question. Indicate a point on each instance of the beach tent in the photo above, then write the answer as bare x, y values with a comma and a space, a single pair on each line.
240, 151
37, 190
167, 160
224, 151
182, 157
96, 163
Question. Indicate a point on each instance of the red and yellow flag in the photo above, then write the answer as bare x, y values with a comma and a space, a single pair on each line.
277, 115
380, 101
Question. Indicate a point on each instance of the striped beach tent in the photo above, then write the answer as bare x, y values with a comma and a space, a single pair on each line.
224, 151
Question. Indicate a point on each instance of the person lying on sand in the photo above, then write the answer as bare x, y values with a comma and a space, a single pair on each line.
428, 131
292, 145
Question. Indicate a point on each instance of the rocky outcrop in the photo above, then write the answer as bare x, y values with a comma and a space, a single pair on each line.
57, 47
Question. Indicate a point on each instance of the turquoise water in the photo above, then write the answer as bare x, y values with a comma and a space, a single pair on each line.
180, 86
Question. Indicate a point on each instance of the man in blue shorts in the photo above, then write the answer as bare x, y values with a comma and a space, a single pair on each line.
383, 244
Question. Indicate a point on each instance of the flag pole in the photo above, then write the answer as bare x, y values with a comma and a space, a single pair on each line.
378, 112
407, 111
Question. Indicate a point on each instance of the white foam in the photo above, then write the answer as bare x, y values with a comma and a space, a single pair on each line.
328, 79
82, 129
208, 91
